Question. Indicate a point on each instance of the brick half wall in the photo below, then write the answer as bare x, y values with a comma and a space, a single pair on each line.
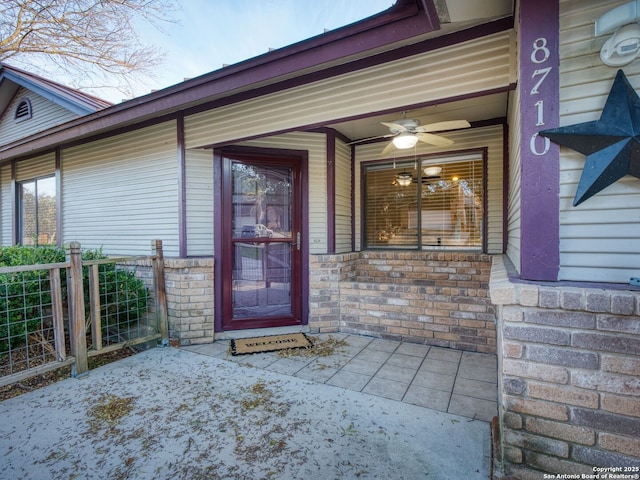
432, 298
569, 377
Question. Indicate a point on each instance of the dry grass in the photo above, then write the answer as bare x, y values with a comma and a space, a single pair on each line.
321, 348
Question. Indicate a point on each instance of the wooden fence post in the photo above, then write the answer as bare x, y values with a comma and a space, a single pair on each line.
161, 293
77, 329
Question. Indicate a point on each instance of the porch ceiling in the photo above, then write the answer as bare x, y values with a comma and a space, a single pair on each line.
475, 109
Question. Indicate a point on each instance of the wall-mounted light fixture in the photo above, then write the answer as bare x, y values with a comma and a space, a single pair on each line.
624, 45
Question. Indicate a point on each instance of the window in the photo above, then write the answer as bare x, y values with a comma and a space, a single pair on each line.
37, 205
444, 210
23, 110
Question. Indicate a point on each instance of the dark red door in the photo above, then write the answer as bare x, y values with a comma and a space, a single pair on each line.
261, 269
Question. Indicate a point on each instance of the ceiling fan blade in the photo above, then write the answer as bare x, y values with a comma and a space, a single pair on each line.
442, 126
436, 140
362, 140
395, 126
388, 148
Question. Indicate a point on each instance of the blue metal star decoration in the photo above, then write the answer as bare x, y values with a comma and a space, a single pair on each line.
611, 144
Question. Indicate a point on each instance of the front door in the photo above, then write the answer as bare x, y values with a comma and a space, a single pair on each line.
261, 248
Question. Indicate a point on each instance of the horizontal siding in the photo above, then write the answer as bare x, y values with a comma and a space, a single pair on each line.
513, 202
474, 66
471, 138
41, 166
598, 238
121, 193
6, 205
343, 197
45, 114
199, 199
316, 145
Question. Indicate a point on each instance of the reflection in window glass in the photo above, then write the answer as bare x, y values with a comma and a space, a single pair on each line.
38, 212
434, 203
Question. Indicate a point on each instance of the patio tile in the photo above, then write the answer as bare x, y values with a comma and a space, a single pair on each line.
480, 359
475, 372
384, 345
287, 366
371, 355
349, 380
316, 373
439, 366
414, 349
475, 408
362, 367
476, 389
357, 341
446, 354
436, 381
216, 349
386, 388
427, 397
407, 361
260, 360
396, 373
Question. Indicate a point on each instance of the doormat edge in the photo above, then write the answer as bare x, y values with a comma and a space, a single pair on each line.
234, 349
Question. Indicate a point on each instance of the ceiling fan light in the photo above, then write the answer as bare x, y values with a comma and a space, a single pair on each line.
405, 140
404, 179
432, 171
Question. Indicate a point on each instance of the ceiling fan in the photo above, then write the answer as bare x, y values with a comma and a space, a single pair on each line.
406, 132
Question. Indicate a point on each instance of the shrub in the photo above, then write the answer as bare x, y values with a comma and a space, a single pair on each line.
25, 297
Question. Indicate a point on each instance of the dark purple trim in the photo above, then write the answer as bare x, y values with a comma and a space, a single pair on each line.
182, 187
58, 176
218, 231
353, 200
540, 170
505, 187
14, 205
331, 193
485, 199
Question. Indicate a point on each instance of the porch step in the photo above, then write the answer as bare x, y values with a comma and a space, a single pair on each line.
260, 332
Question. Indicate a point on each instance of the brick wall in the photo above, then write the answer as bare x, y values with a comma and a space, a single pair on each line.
569, 361
189, 285
434, 298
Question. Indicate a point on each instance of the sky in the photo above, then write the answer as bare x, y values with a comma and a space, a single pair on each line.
210, 33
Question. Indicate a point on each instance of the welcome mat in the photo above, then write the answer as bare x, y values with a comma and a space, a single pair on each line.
270, 343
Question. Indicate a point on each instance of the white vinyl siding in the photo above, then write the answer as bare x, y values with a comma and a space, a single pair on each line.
199, 199
316, 145
471, 138
6, 206
121, 193
513, 202
45, 114
461, 69
598, 238
343, 197
41, 166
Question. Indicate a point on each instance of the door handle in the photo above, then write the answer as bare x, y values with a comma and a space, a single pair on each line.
298, 240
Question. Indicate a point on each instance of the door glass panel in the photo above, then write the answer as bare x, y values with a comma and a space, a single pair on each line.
262, 240
261, 201
261, 279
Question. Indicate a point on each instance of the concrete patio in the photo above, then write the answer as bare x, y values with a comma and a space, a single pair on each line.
442, 379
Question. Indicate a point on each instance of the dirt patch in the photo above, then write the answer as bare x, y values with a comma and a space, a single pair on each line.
54, 376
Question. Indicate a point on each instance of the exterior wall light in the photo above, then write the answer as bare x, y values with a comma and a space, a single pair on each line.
624, 45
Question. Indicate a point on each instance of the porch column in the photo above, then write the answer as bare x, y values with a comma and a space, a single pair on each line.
539, 81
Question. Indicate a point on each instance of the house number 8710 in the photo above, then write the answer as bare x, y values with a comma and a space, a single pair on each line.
540, 54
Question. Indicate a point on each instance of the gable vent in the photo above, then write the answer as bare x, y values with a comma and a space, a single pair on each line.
23, 110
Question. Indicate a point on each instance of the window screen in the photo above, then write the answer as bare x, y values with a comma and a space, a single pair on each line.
431, 203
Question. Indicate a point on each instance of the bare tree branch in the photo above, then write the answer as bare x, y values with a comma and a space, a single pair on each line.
83, 38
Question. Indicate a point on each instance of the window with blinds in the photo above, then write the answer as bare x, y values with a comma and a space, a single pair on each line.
429, 203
